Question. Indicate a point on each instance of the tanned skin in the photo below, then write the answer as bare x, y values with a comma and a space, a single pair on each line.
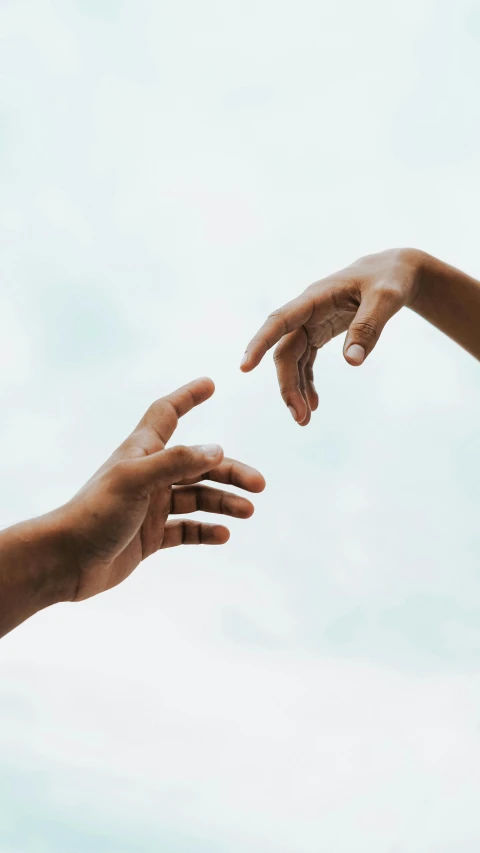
127, 511
360, 300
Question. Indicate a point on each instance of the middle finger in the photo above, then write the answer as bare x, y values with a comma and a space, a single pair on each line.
186, 499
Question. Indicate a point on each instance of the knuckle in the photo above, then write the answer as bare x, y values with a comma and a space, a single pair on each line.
155, 408
134, 445
119, 472
191, 533
278, 318
388, 293
275, 314
134, 438
161, 408
367, 329
286, 390
184, 455
322, 284
340, 288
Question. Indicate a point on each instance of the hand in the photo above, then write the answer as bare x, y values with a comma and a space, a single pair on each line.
358, 300
120, 516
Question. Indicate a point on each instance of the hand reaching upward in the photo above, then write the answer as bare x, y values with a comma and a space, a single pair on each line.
128, 509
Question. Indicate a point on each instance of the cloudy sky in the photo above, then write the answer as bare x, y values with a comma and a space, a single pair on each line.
169, 173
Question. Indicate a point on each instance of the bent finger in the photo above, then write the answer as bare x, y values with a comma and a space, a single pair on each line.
374, 312
310, 389
301, 373
287, 356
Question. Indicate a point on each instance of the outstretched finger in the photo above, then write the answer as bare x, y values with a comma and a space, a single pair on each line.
194, 533
186, 499
280, 322
163, 415
145, 474
232, 473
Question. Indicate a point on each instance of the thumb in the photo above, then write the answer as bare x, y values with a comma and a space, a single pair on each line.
166, 467
373, 314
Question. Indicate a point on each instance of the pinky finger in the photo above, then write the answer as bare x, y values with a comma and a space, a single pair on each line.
185, 532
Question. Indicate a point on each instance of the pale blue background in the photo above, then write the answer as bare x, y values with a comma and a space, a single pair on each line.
169, 173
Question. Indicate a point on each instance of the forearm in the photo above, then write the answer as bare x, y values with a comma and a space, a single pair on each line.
450, 300
33, 570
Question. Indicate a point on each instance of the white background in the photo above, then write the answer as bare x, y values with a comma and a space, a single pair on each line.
170, 172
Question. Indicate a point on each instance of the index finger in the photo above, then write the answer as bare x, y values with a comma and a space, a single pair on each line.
163, 415
279, 323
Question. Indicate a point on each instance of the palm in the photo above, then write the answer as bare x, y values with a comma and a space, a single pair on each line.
118, 555
149, 530
147, 539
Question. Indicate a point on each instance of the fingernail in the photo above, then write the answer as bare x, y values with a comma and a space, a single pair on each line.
293, 413
210, 450
244, 359
356, 353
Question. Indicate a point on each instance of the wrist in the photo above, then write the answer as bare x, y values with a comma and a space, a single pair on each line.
34, 558
55, 565
420, 270
449, 299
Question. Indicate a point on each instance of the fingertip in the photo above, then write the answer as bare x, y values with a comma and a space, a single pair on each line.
221, 535
306, 419
200, 390
237, 506
207, 383
260, 485
248, 363
247, 477
293, 412
247, 510
213, 452
355, 355
312, 396
297, 409
253, 355
257, 482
